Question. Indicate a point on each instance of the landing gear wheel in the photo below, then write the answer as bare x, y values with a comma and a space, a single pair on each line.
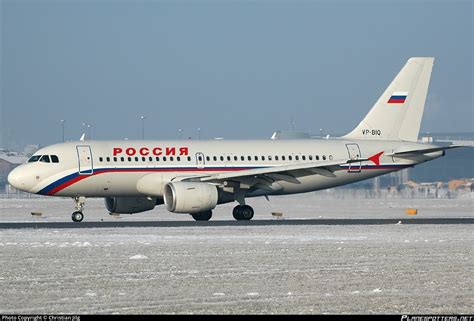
236, 213
243, 212
77, 216
202, 216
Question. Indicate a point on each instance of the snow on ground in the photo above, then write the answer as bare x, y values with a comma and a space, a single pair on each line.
402, 269
266, 269
309, 205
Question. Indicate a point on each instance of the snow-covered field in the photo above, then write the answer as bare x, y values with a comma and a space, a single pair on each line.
235, 269
310, 205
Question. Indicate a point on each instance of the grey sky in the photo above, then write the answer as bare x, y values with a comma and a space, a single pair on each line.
235, 69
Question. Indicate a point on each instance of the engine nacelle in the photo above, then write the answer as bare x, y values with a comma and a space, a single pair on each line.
129, 205
190, 197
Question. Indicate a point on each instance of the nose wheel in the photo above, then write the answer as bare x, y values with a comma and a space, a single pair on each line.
77, 216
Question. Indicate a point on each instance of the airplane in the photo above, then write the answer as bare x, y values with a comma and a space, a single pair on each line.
193, 177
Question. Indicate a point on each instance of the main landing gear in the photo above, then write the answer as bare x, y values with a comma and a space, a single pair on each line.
243, 212
240, 213
77, 216
202, 216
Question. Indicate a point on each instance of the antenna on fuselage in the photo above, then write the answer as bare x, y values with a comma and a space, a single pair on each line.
83, 136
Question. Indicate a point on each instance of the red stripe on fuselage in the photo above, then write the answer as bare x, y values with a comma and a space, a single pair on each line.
144, 170
66, 184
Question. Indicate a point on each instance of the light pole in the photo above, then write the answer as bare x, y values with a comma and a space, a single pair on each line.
143, 126
88, 129
321, 132
199, 133
180, 133
62, 128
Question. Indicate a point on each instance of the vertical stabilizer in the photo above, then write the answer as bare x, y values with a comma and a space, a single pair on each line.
397, 113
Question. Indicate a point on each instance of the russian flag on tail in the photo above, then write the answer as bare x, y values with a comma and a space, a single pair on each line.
398, 97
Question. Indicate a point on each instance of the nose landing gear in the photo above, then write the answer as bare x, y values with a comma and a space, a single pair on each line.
77, 216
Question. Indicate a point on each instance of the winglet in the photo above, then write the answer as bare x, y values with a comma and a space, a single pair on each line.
82, 137
376, 158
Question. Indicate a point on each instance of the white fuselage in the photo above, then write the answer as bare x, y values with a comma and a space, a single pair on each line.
113, 168
194, 176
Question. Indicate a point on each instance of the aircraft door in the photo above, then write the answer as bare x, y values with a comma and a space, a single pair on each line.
354, 153
84, 156
200, 162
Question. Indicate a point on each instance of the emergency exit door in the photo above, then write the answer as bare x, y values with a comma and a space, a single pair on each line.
200, 162
354, 153
84, 156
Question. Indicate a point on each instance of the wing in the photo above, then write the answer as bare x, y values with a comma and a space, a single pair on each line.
263, 178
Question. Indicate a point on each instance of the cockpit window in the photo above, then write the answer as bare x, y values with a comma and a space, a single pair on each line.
44, 159
34, 158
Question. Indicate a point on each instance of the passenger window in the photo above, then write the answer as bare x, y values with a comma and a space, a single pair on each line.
44, 159
263, 158
157, 159
150, 159
136, 159
303, 157
178, 158
297, 157
122, 159
143, 159
324, 157
228, 158
34, 158
108, 159
283, 158
200, 158
310, 157
208, 158
249, 158
317, 157
256, 158
214, 158
235, 158
290, 158
276, 158
242, 158
115, 159
171, 158
189, 158
269, 158
129, 159
222, 158
164, 158
101, 159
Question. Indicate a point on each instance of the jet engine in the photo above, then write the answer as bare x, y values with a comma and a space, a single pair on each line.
190, 197
129, 205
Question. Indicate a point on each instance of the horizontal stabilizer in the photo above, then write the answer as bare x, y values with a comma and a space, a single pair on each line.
423, 151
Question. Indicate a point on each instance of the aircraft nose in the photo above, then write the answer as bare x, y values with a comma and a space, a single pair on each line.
18, 179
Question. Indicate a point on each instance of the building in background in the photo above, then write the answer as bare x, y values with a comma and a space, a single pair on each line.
8, 161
